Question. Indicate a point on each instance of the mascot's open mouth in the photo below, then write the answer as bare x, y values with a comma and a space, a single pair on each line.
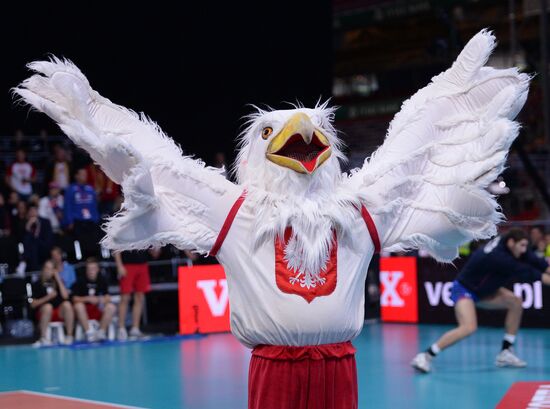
299, 146
310, 156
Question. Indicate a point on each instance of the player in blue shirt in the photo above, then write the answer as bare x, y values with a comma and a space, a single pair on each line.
481, 284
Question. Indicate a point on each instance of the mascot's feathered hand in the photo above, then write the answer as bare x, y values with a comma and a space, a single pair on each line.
425, 186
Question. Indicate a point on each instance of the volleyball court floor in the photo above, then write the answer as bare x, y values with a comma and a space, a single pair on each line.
204, 372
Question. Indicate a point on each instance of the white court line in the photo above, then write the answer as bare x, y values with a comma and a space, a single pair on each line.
51, 395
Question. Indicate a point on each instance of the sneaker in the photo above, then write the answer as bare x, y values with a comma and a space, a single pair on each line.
90, 335
69, 339
507, 358
422, 362
42, 342
122, 334
135, 334
100, 335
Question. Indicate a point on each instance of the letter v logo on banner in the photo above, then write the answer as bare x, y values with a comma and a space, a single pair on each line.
203, 299
217, 304
398, 282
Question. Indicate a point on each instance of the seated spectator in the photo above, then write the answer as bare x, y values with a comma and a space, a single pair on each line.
80, 215
51, 207
50, 300
91, 300
66, 271
37, 240
59, 171
20, 175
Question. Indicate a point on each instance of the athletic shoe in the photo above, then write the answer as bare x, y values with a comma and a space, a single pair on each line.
507, 358
90, 336
122, 334
422, 362
100, 335
69, 340
42, 342
136, 334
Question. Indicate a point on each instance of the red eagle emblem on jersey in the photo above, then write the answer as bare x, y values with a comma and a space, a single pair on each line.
292, 282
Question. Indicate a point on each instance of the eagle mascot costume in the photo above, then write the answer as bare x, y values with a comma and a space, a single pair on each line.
295, 235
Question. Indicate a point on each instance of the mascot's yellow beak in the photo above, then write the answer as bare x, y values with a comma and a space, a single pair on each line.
299, 145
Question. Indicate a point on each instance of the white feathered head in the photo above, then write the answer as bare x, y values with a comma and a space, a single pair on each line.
294, 151
289, 162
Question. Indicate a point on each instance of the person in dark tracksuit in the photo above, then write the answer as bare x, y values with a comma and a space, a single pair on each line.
481, 284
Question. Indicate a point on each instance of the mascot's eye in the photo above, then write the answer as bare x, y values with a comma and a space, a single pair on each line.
266, 132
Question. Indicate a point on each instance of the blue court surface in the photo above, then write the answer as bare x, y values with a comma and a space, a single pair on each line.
211, 371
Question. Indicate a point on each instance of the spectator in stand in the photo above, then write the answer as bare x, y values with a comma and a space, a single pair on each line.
37, 241
536, 237
43, 140
13, 199
4, 187
80, 215
133, 273
540, 251
107, 191
51, 303
8, 246
20, 175
18, 138
91, 300
51, 207
66, 271
34, 200
18, 220
5, 217
59, 171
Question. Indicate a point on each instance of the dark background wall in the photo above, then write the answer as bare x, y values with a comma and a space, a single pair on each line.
191, 67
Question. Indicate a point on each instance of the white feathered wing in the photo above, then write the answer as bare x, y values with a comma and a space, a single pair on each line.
168, 198
426, 184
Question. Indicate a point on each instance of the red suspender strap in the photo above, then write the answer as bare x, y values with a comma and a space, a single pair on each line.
371, 228
227, 223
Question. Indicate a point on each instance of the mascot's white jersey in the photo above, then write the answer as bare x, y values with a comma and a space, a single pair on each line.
265, 311
297, 252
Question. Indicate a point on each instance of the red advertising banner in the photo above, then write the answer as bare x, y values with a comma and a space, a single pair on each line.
203, 299
399, 293
526, 395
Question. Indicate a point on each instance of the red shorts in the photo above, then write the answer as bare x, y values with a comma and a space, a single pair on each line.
136, 279
56, 316
310, 377
93, 311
